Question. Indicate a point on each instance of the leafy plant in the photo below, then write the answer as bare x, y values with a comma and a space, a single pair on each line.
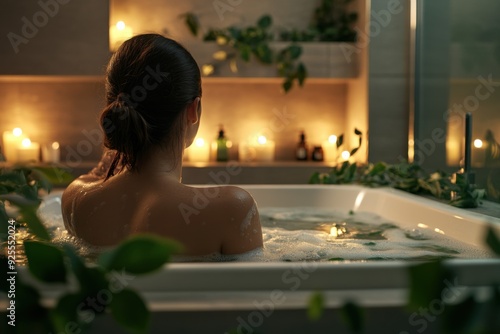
79, 279
405, 176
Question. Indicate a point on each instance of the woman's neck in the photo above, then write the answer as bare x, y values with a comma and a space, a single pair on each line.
159, 162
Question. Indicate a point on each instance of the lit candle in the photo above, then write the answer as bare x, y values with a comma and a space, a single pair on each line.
478, 153
199, 151
118, 34
11, 141
51, 153
345, 155
259, 149
330, 149
28, 151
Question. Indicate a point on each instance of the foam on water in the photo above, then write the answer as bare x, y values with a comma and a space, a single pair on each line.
310, 234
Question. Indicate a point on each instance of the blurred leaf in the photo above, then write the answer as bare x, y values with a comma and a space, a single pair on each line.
493, 241
316, 306
356, 131
352, 315
66, 311
354, 150
53, 176
265, 22
245, 52
128, 308
340, 140
192, 22
461, 317
427, 281
140, 254
287, 85
91, 279
46, 262
301, 73
34, 223
295, 51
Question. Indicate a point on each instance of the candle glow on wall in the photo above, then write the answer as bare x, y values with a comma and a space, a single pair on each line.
118, 34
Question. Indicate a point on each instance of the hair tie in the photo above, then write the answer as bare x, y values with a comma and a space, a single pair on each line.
122, 97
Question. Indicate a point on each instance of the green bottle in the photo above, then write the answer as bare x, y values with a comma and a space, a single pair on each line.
222, 150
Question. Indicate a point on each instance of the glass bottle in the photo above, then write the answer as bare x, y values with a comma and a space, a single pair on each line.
301, 151
222, 150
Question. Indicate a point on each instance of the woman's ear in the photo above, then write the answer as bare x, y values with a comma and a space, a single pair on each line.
194, 111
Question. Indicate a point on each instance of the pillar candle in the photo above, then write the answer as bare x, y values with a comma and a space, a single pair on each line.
260, 149
11, 141
51, 153
199, 151
330, 149
28, 151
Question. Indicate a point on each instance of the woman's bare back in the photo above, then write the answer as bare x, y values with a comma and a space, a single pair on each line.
205, 220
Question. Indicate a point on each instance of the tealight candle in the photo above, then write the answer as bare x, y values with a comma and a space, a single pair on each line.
11, 141
28, 151
199, 151
478, 153
260, 149
51, 153
330, 149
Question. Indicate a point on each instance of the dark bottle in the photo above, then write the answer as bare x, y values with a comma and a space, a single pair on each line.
301, 152
222, 150
317, 154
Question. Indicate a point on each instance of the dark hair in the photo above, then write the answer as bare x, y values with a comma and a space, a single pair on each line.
149, 82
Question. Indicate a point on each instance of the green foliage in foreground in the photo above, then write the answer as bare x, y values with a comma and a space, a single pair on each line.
405, 176
88, 289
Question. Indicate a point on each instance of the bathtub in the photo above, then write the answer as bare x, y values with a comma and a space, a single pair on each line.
226, 294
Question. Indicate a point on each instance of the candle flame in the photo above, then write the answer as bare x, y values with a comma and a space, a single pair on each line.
332, 139
262, 140
199, 142
55, 145
120, 25
345, 155
26, 142
17, 132
478, 143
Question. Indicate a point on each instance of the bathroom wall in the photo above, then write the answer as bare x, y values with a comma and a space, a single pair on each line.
65, 107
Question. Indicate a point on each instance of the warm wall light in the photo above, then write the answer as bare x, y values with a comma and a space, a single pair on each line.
118, 34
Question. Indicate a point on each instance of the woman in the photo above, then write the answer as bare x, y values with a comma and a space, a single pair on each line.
153, 111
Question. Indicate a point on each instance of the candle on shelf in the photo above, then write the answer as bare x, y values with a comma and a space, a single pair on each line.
478, 153
330, 149
118, 34
28, 151
11, 141
258, 149
51, 153
199, 151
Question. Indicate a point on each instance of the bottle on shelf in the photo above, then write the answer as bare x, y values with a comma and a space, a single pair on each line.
222, 149
301, 151
317, 154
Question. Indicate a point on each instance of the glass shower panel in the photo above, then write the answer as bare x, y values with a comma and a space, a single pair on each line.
457, 71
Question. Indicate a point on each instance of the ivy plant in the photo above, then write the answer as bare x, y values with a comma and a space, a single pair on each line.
408, 177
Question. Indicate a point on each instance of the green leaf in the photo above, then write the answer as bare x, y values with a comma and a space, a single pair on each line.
287, 85
192, 22
140, 254
91, 279
54, 176
46, 262
427, 281
493, 241
340, 140
265, 22
301, 73
245, 52
356, 131
295, 51
461, 317
354, 150
66, 311
128, 308
316, 306
352, 315
34, 223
